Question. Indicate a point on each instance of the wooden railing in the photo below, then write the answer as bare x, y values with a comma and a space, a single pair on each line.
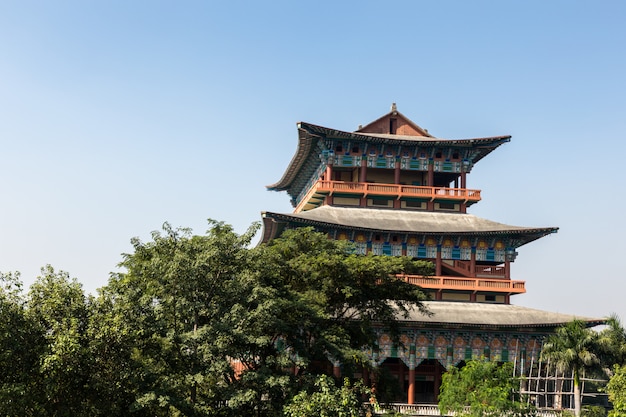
466, 284
495, 271
433, 410
480, 271
364, 189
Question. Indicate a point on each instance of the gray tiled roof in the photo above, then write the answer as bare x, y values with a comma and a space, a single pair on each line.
409, 221
500, 315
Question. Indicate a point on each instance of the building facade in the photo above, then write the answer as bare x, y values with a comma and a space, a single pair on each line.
393, 189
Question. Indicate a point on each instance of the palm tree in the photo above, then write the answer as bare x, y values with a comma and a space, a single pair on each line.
572, 348
612, 344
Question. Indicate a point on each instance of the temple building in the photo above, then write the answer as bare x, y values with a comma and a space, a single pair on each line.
394, 189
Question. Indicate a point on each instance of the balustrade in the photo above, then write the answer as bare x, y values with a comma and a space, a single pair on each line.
472, 284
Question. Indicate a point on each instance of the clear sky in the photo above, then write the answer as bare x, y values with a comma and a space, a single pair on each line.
116, 116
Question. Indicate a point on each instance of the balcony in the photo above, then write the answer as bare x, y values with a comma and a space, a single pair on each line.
503, 286
323, 188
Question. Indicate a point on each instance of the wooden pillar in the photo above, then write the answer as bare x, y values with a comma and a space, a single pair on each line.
507, 268
336, 370
431, 174
411, 393
396, 173
329, 172
463, 179
473, 262
438, 262
363, 172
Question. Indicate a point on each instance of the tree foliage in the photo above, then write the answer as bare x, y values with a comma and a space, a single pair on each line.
199, 325
482, 388
616, 388
328, 400
21, 345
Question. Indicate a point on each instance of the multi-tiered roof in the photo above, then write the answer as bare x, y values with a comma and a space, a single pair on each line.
392, 188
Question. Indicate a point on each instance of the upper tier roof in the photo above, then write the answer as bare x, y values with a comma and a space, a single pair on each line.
402, 124
406, 221
309, 136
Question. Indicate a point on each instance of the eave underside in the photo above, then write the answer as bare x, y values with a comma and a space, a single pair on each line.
403, 221
310, 136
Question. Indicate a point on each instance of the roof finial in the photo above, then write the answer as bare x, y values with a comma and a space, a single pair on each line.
394, 109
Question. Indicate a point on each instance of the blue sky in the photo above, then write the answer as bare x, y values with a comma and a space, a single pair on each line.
116, 116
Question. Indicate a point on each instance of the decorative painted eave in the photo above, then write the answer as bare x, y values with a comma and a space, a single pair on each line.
456, 314
309, 135
405, 221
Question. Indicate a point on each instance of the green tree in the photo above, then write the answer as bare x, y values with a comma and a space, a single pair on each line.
57, 305
573, 348
21, 343
612, 344
338, 298
194, 308
114, 374
175, 302
328, 400
616, 388
482, 388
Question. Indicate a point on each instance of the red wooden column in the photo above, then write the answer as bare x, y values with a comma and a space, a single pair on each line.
396, 172
473, 262
438, 262
431, 173
411, 389
463, 186
411, 393
328, 176
363, 172
336, 370
430, 182
509, 257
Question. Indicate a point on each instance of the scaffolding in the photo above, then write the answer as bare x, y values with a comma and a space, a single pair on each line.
546, 388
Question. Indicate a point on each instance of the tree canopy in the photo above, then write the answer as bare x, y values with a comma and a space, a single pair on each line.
482, 388
198, 325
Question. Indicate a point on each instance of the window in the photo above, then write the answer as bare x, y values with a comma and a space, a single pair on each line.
447, 206
379, 202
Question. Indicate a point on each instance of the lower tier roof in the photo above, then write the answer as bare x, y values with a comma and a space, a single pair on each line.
460, 314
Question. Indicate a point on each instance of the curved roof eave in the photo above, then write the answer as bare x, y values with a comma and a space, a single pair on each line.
305, 145
308, 134
435, 224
